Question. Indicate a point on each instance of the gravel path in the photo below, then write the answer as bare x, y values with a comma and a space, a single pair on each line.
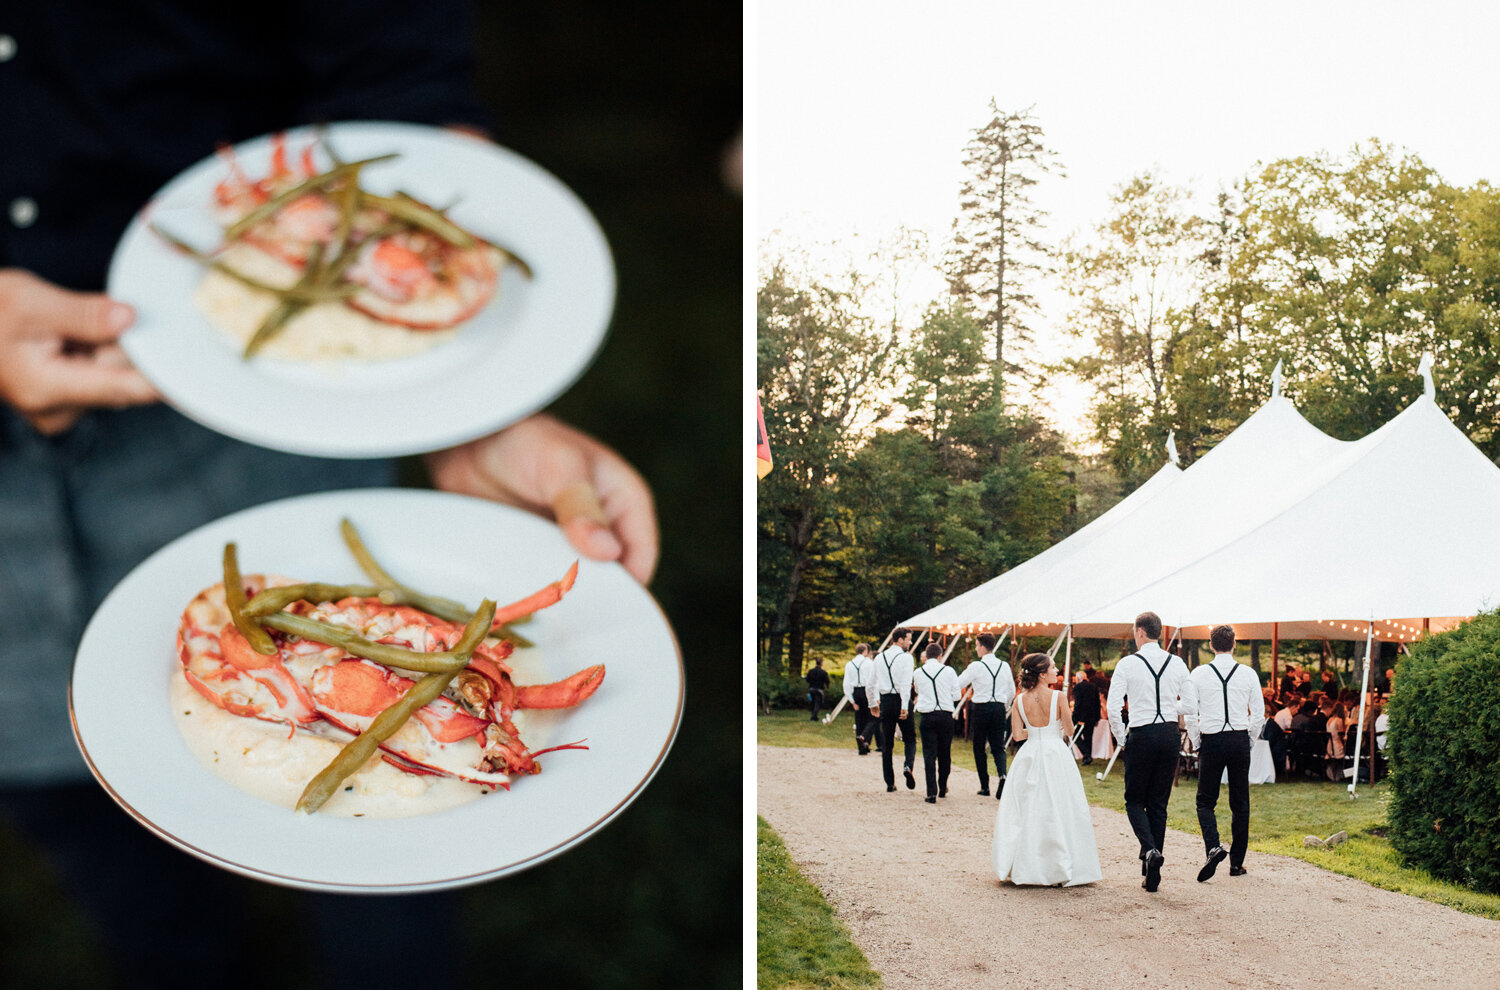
924, 905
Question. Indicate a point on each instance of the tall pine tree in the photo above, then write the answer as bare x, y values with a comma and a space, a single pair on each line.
997, 249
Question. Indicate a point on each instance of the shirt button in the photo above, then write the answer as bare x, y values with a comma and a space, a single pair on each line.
23, 211
7, 48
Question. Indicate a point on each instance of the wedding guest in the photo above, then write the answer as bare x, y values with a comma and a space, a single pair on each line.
1086, 714
992, 687
937, 695
889, 684
817, 688
855, 672
1149, 679
1330, 683
1223, 710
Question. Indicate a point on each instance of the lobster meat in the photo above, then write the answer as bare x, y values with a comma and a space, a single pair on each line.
468, 733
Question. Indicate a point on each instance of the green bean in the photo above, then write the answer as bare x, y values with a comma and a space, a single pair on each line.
388, 723
234, 597
417, 213
354, 644
443, 608
275, 599
286, 293
271, 206
277, 319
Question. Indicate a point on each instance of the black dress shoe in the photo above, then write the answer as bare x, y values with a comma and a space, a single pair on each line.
1087, 760
930, 800
911, 781
889, 788
1153, 870
984, 792
943, 792
999, 788
1237, 871
1216, 855
864, 749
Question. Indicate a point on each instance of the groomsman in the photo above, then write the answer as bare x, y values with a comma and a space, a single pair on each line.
1150, 680
937, 696
889, 683
1224, 710
855, 672
994, 687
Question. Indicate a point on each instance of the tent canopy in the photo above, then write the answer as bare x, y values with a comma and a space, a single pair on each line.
1278, 525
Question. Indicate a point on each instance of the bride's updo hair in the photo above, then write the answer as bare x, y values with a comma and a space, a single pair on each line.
1032, 669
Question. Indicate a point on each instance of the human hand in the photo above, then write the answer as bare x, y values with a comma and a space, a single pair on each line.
544, 466
59, 355
902, 716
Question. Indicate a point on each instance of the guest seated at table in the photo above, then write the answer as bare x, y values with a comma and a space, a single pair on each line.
1333, 714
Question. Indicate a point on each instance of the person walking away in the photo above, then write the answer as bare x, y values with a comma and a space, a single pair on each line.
1149, 679
1224, 711
1086, 713
889, 683
938, 692
992, 688
817, 688
855, 672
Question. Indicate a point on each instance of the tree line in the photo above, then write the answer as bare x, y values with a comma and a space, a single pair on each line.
909, 470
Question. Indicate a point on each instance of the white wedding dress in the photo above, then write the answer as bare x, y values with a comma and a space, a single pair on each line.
1043, 833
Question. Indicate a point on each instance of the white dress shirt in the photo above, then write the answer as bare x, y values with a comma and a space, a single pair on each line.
991, 678
1204, 692
890, 673
1132, 680
1283, 718
855, 672
937, 687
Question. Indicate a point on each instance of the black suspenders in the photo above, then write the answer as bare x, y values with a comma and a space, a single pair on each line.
885, 658
1224, 683
1156, 676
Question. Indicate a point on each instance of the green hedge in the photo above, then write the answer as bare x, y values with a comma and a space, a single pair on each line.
1444, 751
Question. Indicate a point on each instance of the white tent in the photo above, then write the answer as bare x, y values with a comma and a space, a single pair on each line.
1403, 534
1275, 456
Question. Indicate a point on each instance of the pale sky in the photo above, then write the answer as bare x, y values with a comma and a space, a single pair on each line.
861, 109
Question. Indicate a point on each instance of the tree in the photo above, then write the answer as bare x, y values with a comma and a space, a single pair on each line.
997, 249
821, 361
1135, 286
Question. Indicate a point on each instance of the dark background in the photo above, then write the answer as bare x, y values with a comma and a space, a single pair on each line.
633, 108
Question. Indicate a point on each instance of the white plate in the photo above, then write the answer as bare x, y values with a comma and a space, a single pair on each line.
524, 349
449, 545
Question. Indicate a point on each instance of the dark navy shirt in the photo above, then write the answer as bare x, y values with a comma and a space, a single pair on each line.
101, 103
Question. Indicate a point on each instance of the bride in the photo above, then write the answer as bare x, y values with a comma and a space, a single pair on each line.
1043, 833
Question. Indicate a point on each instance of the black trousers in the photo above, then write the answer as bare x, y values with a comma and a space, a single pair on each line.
890, 722
989, 724
864, 722
1150, 765
1220, 751
815, 698
1086, 740
937, 750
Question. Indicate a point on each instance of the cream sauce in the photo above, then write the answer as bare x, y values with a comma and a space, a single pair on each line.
270, 762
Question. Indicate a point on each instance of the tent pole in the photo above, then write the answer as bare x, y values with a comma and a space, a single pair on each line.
1068, 663
949, 652
1275, 654
1364, 688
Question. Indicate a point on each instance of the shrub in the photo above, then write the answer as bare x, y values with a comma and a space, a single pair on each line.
1444, 748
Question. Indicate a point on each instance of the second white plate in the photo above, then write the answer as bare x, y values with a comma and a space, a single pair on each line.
446, 544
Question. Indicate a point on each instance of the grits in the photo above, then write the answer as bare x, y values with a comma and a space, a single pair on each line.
329, 331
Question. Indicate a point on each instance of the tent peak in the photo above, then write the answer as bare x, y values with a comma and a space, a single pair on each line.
1425, 368
1172, 448
1276, 381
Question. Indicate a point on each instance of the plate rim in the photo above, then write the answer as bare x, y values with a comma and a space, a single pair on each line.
416, 886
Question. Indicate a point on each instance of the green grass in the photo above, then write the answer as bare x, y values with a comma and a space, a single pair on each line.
1281, 814
799, 941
